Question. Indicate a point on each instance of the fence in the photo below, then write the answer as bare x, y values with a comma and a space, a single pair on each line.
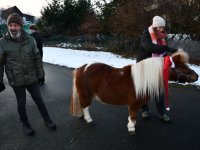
118, 43
191, 47
121, 44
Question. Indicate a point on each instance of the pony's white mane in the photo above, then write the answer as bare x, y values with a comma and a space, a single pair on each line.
184, 57
148, 77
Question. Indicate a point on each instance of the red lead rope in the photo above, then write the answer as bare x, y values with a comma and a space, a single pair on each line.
167, 64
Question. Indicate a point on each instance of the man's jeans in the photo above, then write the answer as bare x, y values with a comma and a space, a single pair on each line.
33, 89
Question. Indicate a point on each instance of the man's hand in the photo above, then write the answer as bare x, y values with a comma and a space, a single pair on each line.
2, 87
41, 81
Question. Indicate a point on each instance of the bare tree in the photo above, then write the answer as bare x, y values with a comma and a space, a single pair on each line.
184, 17
130, 18
90, 25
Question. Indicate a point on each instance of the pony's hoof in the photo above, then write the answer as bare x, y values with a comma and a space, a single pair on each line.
132, 132
89, 121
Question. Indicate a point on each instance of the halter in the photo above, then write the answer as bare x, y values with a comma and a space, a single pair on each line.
179, 74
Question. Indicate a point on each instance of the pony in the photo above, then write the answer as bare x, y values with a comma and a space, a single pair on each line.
133, 85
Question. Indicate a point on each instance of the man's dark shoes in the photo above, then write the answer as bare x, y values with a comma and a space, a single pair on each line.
28, 130
164, 118
50, 125
145, 115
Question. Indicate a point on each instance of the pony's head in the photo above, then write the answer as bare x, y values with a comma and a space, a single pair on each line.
182, 73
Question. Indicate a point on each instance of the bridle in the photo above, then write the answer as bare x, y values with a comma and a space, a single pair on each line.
179, 74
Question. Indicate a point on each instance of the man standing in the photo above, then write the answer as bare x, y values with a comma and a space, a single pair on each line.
38, 38
23, 66
39, 41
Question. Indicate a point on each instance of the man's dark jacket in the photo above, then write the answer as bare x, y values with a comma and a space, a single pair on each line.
147, 47
21, 60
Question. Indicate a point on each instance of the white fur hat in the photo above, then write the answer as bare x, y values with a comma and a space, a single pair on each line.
158, 21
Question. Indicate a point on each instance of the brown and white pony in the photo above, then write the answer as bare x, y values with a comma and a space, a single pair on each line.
132, 85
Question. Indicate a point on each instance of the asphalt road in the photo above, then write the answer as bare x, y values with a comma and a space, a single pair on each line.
109, 131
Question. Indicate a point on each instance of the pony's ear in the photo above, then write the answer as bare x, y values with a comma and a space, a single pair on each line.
184, 58
180, 57
176, 58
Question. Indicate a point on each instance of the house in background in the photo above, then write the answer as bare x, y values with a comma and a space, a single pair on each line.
6, 12
30, 19
27, 19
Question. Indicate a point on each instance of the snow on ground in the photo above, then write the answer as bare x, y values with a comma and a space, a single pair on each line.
76, 58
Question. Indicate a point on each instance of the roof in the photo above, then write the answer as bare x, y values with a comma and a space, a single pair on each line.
7, 12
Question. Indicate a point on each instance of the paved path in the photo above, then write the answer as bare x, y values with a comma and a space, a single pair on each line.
109, 131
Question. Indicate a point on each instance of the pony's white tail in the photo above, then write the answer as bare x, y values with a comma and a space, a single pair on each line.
75, 107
